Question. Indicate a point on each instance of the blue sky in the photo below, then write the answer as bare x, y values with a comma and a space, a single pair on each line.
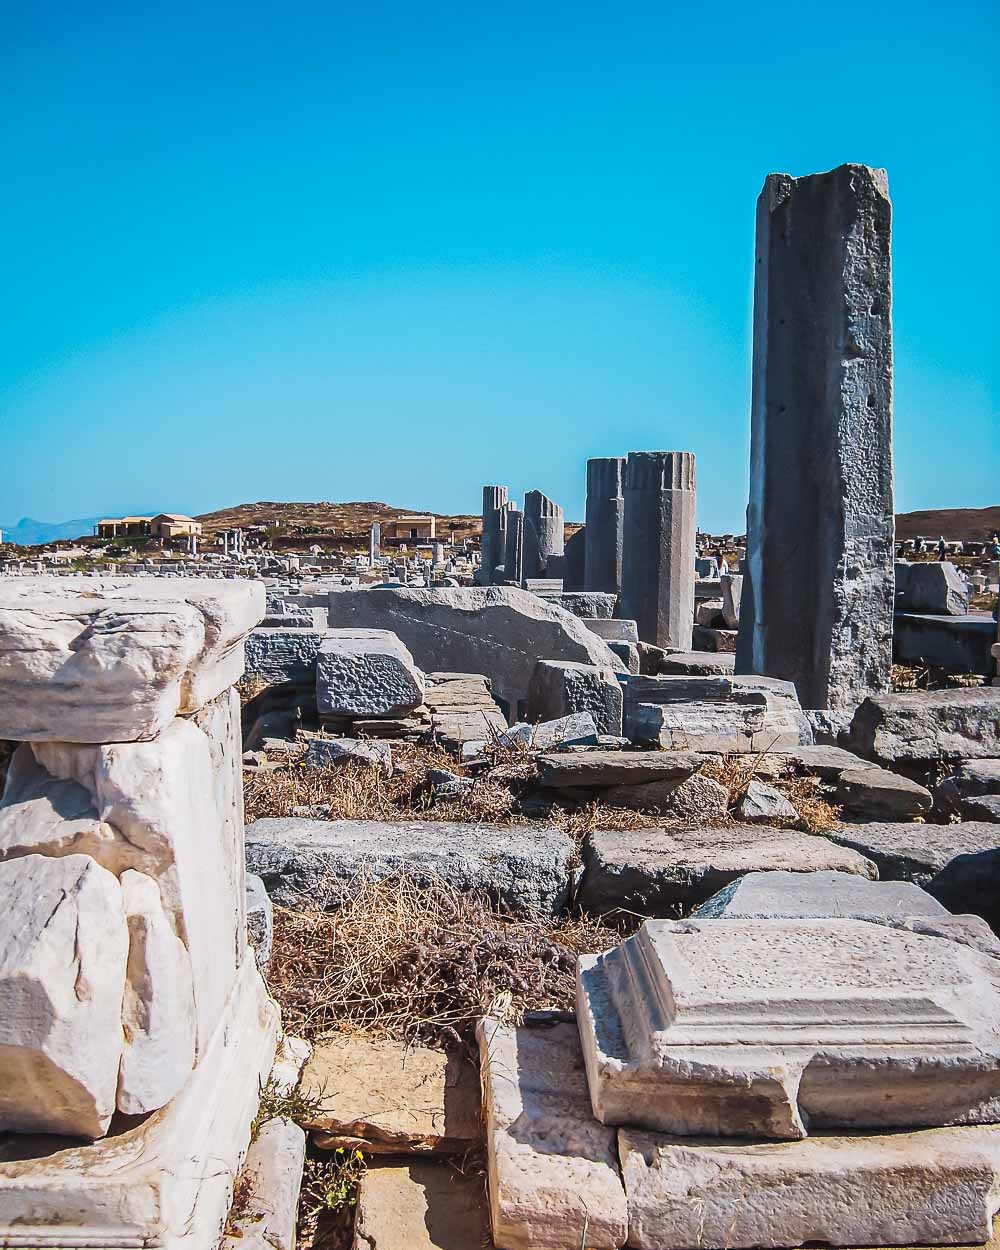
390, 251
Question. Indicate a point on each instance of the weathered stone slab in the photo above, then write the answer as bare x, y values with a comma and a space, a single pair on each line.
421, 1206
769, 895
694, 798
666, 872
915, 851
562, 687
116, 659
63, 950
877, 794
391, 1098
698, 664
724, 714
366, 673
309, 863
937, 1186
501, 632
764, 803
586, 604
818, 590
921, 726
277, 655
324, 752
577, 728
969, 780
553, 1176
616, 768
827, 762
936, 587
613, 630
785, 1025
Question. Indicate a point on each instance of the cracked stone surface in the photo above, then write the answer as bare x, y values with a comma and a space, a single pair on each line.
116, 659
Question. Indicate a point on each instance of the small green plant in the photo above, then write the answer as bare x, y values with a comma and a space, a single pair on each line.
279, 1102
334, 1187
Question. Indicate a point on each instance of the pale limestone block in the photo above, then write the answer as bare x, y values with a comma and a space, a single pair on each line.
776, 1028
421, 1206
553, 1175
166, 1182
938, 1186
158, 1015
63, 947
391, 1098
115, 660
366, 673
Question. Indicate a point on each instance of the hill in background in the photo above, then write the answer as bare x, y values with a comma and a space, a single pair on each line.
955, 524
31, 533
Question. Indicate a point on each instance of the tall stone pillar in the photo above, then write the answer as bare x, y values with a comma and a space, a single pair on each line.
818, 589
513, 559
374, 542
494, 530
605, 512
544, 533
658, 537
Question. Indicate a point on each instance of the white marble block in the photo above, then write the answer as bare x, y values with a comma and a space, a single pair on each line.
63, 950
165, 808
934, 1187
116, 659
158, 1014
553, 1175
776, 1028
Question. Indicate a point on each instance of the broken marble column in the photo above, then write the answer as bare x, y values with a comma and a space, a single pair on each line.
605, 514
494, 531
126, 983
513, 558
544, 534
818, 592
374, 542
658, 546
574, 560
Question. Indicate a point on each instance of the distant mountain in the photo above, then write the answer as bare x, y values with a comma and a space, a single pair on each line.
30, 533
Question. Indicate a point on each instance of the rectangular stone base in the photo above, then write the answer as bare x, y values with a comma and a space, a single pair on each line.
168, 1181
933, 1187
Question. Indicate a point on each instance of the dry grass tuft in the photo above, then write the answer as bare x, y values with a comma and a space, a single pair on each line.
354, 791
816, 813
249, 687
420, 963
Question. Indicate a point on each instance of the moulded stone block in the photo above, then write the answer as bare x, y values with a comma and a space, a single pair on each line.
777, 1028
938, 1186
116, 659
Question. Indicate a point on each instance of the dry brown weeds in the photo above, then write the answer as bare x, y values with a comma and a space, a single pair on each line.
421, 963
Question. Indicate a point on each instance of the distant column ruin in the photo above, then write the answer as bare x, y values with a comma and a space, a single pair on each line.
817, 599
494, 530
513, 560
605, 513
544, 533
658, 542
